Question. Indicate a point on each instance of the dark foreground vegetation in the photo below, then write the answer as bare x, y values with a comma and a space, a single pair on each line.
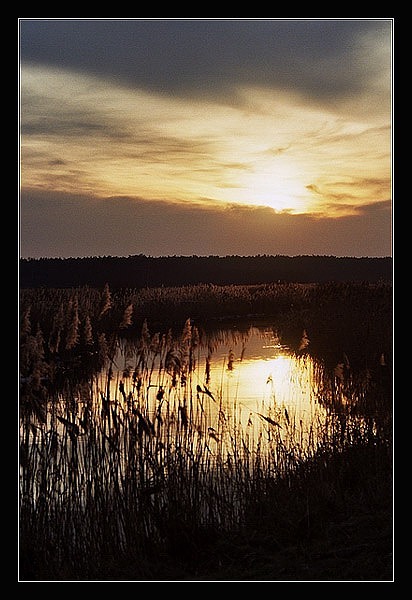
328, 520
110, 490
144, 271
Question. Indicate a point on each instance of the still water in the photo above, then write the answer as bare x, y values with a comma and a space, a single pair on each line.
232, 387
233, 401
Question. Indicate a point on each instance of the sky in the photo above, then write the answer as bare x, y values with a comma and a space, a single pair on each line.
205, 137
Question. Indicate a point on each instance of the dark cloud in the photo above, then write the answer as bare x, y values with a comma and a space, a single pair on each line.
376, 207
66, 127
43, 117
58, 224
57, 162
321, 57
313, 188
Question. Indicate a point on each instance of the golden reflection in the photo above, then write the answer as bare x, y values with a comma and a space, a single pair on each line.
277, 386
256, 390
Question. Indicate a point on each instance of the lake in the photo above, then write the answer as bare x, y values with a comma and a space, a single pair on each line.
182, 435
234, 391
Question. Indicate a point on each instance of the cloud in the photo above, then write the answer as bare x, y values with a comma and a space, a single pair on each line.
114, 141
57, 162
59, 224
352, 195
157, 136
376, 207
319, 58
277, 151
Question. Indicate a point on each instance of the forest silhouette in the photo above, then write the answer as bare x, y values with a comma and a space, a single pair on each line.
145, 271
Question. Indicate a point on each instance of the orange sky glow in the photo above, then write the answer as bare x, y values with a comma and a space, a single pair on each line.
256, 145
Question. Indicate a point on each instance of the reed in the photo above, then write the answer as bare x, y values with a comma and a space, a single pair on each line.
132, 467
150, 463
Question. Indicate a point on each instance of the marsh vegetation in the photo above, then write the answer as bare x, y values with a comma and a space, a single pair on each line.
206, 432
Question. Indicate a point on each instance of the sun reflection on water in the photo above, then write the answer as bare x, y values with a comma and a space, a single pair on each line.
249, 386
270, 383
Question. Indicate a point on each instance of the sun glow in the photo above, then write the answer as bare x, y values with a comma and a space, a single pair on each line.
255, 382
278, 185
268, 149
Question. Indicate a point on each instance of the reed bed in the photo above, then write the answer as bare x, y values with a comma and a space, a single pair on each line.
77, 326
133, 470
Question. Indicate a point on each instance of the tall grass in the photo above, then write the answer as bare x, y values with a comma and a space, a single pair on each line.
143, 464
339, 317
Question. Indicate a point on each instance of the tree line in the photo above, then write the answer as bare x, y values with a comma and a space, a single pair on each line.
141, 271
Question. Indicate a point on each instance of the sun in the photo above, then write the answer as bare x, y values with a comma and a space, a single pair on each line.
278, 185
